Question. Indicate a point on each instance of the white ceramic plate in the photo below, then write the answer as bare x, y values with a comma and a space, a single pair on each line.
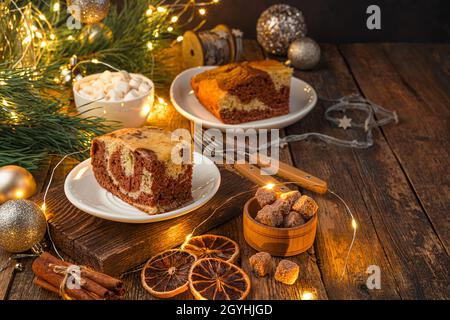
84, 192
302, 100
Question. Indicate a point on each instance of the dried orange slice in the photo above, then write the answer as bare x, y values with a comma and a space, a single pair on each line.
216, 279
166, 274
213, 246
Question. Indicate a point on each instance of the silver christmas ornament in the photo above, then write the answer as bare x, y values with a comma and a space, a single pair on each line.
278, 26
304, 53
22, 225
89, 11
18, 267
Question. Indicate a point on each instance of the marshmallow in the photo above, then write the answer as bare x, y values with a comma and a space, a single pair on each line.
144, 88
114, 86
135, 82
98, 84
125, 75
122, 86
105, 76
132, 94
115, 80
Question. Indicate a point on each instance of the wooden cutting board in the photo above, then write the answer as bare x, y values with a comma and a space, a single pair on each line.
114, 247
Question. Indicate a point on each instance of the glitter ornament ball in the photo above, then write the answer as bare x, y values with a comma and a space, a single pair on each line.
89, 11
15, 183
304, 53
278, 26
22, 225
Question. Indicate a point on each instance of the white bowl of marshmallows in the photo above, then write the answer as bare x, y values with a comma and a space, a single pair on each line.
119, 96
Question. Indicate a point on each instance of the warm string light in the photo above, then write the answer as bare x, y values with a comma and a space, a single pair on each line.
34, 30
307, 295
269, 186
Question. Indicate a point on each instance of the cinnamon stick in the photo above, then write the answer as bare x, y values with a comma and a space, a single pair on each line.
44, 272
102, 279
86, 284
45, 285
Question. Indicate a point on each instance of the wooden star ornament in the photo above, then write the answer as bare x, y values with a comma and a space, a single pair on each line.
345, 122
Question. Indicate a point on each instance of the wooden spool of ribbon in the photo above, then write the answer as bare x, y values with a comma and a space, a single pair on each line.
217, 46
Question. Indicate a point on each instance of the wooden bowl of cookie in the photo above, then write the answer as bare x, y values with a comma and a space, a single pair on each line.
282, 224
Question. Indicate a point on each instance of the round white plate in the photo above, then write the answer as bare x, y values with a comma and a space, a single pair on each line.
84, 192
302, 100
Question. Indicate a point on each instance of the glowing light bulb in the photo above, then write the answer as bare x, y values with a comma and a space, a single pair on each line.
52, 36
180, 38
70, 38
161, 100
56, 6
43, 44
42, 17
149, 12
354, 224
202, 11
307, 295
5, 103
150, 45
215, 1
161, 9
27, 39
43, 207
269, 186
145, 110
174, 19
170, 29
94, 61
19, 193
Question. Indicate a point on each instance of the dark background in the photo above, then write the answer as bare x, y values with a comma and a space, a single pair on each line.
345, 20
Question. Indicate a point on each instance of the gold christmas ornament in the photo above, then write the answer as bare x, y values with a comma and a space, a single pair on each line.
89, 11
304, 53
22, 225
15, 183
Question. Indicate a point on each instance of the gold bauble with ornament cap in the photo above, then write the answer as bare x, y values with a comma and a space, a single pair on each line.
22, 225
16, 183
89, 11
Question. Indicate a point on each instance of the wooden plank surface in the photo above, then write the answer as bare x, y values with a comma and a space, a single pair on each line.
398, 193
394, 232
414, 80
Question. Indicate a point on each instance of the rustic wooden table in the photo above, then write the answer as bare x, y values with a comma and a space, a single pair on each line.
399, 189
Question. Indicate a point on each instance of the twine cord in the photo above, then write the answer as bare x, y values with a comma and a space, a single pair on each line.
67, 271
